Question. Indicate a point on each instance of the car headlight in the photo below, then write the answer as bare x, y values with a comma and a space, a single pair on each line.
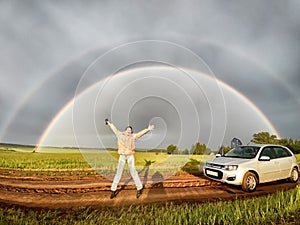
207, 164
230, 167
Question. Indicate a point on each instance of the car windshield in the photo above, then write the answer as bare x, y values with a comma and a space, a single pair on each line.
245, 152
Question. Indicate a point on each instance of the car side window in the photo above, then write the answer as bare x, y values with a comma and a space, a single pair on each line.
268, 152
281, 152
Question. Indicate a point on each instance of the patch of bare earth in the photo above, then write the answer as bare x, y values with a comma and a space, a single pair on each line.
24, 189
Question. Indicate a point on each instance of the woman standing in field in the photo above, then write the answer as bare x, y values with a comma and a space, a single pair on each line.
126, 146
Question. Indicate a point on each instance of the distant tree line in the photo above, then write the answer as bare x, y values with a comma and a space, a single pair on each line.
258, 138
266, 138
196, 149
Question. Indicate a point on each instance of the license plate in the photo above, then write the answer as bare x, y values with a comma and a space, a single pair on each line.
212, 173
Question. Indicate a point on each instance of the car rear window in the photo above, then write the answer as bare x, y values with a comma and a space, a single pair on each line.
281, 152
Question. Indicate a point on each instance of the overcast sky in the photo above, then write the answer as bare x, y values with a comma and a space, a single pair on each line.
47, 47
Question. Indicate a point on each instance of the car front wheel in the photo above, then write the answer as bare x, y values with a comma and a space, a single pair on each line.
249, 183
294, 175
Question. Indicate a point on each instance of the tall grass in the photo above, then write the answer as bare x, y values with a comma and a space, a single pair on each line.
278, 208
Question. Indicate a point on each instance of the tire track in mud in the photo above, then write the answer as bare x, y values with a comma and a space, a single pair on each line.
94, 191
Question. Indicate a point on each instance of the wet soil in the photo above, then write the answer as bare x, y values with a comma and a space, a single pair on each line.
23, 189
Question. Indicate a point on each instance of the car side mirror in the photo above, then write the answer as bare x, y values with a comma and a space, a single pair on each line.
218, 155
265, 158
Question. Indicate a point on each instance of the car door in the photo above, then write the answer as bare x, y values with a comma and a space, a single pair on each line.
268, 170
285, 161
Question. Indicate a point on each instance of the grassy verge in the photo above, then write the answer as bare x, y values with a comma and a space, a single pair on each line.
278, 208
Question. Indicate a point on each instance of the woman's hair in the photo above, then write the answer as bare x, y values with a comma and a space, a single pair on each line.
130, 128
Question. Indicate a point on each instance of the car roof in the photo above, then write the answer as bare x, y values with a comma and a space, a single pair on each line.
261, 145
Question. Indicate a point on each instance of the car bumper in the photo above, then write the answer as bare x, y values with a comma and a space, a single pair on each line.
234, 177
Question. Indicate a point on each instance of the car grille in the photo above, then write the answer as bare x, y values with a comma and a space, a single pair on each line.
217, 166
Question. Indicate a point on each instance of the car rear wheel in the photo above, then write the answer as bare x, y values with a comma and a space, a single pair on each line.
294, 175
249, 182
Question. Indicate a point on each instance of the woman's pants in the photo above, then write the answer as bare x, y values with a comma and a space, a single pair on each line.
132, 169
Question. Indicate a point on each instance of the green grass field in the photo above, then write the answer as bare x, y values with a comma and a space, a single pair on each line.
298, 158
278, 208
59, 161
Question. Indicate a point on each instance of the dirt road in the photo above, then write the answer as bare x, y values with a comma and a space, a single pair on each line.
94, 191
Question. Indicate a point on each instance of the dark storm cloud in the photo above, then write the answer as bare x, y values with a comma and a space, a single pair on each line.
46, 46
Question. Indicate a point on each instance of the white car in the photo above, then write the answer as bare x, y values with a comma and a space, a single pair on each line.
250, 165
